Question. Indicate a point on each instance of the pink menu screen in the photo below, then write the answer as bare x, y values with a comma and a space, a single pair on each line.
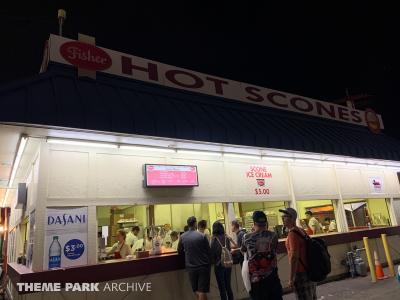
170, 175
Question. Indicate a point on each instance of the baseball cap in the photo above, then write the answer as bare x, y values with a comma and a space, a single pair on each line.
290, 212
259, 217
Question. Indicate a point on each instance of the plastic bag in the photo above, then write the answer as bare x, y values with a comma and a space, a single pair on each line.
246, 274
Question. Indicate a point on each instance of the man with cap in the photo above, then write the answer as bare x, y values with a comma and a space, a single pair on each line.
296, 249
260, 246
196, 248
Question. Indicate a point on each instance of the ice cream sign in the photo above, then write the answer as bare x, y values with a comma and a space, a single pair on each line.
259, 176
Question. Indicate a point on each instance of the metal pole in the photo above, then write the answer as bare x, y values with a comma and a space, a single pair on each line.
370, 261
387, 253
62, 15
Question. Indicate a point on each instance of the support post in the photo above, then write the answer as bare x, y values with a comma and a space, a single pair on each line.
370, 261
387, 253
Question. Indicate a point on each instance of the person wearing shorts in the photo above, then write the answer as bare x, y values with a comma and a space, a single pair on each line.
196, 248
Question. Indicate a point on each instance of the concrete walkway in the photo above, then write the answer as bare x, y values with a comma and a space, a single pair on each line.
359, 288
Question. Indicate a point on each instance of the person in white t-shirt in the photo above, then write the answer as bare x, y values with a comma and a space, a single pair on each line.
313, 223
167, 242
202, 227
175, 240
132, 236
330, 224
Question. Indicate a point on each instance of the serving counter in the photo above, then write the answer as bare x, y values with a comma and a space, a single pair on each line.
166, 271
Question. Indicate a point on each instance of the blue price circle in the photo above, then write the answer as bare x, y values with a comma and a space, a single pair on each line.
73, 249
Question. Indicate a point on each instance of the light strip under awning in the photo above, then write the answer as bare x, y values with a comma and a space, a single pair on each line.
17, 160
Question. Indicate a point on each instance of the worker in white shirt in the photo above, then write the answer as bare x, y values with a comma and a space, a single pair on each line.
175, 240
167, 242
132, 236
332, 227
313, 223
120, 249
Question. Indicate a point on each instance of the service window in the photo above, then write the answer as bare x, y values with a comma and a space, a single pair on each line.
176, 215
112, 218
317, 216
244, 212
367, 213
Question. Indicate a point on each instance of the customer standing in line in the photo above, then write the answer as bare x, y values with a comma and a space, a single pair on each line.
222, 274
296, 249
260, 246
196, 248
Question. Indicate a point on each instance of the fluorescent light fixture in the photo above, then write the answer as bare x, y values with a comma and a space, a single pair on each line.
193, 152
81, 143
308, 161
331, 162
239, 150
277, 158
396, 169
244, 156
20, 151
356, 165
144, 148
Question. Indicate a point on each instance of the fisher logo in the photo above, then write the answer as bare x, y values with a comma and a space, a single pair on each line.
85, 56
66, 219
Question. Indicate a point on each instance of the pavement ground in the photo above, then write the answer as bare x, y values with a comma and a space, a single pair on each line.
357, 288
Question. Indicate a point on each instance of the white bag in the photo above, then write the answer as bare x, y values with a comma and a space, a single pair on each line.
245, 273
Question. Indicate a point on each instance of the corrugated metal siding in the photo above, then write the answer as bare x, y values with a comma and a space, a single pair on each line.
119, 105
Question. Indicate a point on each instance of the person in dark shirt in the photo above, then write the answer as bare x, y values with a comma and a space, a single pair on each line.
223, 275
260, 246
194, 245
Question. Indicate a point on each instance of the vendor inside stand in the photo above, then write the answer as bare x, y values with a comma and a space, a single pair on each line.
120, 249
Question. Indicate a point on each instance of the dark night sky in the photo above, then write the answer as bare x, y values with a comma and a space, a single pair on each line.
311, 50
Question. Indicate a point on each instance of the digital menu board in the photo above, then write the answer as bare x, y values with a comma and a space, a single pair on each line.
170, 176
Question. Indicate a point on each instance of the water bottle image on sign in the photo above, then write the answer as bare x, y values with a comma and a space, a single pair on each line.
55, 254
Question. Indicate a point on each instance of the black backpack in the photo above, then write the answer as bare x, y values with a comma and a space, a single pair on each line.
318, 258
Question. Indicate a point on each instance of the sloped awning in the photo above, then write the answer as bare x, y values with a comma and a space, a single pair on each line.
59, 98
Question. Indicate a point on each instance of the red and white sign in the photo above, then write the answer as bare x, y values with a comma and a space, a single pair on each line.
376, 184
170, 176
260, 174
85, 56
91, 57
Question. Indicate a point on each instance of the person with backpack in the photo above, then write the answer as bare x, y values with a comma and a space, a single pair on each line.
260, 246
304, 288
221, 257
